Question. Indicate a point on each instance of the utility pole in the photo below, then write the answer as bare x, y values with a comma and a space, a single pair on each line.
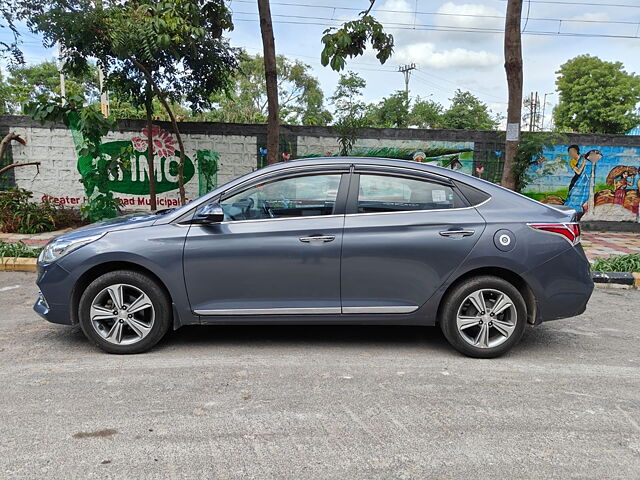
406, 69
513, 69
104, 95
63, 93
544, 108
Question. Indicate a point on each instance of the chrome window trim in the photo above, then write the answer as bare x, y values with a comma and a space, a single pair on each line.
235, 222
270, 311
390, 171
420, 211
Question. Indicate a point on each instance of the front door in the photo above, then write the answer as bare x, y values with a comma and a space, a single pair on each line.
276, 253
403, 238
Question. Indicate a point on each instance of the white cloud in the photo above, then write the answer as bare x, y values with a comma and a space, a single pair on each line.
593, 17
426, 56
469, 16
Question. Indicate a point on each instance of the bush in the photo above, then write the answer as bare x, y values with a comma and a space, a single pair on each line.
18, 249
19, 215
618, 263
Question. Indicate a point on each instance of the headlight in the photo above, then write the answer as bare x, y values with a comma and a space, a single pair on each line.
56, 249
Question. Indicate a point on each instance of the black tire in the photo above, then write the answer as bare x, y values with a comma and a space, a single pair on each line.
454, 302
155, 293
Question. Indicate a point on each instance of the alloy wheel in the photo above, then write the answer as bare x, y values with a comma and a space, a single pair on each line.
486, 318
122, 314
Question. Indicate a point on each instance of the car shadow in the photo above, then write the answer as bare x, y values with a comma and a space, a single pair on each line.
293, 336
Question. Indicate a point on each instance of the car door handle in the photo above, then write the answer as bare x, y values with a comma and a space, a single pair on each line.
455, 233
318, 239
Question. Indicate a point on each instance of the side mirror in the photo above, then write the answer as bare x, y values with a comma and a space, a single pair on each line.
210, 213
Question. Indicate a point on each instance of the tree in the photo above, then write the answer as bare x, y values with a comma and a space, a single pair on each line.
300, 98
271, 81
169, 50
350, 110
425, 113
391, 112
10, 14
26, 83
467, 112
352, 38
513, 69
596, 96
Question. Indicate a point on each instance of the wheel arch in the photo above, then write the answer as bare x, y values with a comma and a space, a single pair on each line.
510, 276
98, 270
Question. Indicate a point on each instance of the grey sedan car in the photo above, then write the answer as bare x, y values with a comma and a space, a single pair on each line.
325, 241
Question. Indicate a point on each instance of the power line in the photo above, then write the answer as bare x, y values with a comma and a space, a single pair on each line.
436, 28
445, 14
587, 4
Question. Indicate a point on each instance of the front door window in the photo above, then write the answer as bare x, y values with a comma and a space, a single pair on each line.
305, 196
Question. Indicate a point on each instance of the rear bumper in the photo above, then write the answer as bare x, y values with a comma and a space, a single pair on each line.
562, 286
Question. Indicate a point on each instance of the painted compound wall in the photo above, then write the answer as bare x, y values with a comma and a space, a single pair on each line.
609, 193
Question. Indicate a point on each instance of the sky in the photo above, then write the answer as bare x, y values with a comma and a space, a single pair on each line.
455, 44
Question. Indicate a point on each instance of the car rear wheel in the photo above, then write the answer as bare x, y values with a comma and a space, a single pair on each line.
483, 317
124, 312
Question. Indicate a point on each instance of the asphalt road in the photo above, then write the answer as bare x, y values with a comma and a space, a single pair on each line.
320, 402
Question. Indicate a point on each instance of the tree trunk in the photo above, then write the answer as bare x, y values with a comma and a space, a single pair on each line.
269, 48
15, 165
513, 68
148, 105
145, 71
4, 144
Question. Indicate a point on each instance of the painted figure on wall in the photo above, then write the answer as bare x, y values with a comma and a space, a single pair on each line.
581, 188
576, 162
621, 178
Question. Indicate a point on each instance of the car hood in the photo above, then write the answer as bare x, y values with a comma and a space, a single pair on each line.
125, 222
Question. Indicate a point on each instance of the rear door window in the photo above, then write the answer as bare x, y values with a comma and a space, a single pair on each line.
385, 193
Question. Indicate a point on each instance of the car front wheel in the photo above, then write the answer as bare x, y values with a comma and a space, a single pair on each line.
483, 317
124, 312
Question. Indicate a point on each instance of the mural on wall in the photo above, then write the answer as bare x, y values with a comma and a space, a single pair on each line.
453, 155
132, 179
288, 149
600, 183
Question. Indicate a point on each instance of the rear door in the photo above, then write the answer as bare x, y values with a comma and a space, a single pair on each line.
404, 234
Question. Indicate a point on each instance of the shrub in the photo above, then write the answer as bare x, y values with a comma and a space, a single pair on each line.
18, 249
618, 263
19, 215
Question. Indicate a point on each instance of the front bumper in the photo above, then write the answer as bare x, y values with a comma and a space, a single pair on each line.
54, 299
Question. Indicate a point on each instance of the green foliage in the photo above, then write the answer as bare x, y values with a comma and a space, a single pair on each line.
27, 83
596, 97
10, 14
467, 112
300, 97
618, 263
18, 249
351, 40
529, 153
91, 126
350, 110
20, 215
391, 112
425, 113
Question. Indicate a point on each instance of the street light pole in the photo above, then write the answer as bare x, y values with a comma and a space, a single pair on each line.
544, 107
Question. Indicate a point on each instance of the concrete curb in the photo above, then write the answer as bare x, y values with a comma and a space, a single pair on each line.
17, 264
616, 279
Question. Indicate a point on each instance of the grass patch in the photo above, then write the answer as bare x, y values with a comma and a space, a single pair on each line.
618, 263
18, 249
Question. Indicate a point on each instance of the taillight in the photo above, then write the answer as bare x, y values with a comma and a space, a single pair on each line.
570, 231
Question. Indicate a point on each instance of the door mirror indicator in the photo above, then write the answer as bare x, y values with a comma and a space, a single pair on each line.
210, 213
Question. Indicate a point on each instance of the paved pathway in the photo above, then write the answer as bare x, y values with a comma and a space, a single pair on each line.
596, 244
606, 244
